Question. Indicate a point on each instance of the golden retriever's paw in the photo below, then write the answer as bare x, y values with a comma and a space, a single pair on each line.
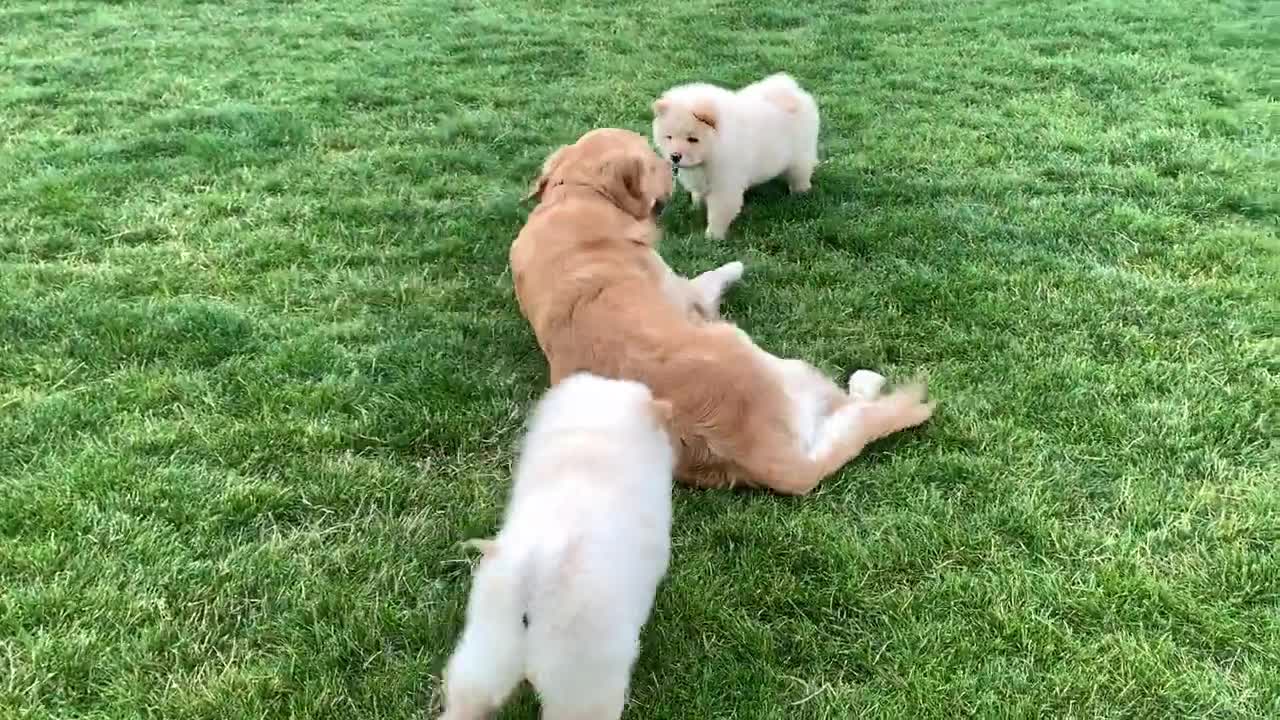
908, 403
865, 385
731, 272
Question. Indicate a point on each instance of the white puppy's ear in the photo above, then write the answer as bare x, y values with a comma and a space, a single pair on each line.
705, 112
544, 175
661, 105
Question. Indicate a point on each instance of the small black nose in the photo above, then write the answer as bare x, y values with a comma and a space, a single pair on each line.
675, 157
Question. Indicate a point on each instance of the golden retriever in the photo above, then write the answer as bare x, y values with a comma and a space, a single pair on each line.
601, 300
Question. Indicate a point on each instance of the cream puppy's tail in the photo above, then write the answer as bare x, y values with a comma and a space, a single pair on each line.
782, 90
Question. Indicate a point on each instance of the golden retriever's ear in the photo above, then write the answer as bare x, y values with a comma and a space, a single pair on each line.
544, 175
626, 181
661, 105
705, 112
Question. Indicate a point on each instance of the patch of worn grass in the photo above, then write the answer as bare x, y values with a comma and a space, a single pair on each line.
261, 367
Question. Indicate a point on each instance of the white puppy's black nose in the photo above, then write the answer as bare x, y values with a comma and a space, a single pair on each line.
675, 157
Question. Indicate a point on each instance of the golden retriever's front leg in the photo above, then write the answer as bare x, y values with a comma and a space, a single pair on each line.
709, 287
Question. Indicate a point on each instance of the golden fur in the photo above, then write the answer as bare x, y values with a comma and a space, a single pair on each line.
600, 299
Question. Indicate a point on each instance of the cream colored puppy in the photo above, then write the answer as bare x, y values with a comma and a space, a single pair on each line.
723, 142
563, 591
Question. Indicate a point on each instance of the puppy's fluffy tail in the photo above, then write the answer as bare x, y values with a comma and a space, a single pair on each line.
782, 90
781, 81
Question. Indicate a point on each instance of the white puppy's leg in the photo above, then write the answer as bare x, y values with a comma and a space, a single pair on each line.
695, 197
709, 287
580, 658
585, 707
722, 207
591, 687
489, 660
800, 175
482, 672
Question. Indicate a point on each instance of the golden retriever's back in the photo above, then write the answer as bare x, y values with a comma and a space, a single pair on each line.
595, 302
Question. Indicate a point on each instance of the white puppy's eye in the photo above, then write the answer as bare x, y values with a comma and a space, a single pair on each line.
668, 137
692, 139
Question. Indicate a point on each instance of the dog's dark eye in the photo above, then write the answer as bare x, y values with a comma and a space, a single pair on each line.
668, 137
692, 140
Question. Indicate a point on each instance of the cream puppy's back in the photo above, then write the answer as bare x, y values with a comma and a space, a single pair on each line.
787, 125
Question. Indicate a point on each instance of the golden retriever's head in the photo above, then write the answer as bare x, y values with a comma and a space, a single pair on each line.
684, 127
618, 164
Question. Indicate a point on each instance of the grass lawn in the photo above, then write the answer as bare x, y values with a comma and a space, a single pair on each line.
261, 365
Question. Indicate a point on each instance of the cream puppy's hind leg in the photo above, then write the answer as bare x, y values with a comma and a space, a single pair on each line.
722, 207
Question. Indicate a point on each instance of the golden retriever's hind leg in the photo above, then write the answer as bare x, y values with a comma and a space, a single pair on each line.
788, 469
901, 409
865, 385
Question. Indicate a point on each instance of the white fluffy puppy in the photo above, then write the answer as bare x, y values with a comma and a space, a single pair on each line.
723, 142
562, 593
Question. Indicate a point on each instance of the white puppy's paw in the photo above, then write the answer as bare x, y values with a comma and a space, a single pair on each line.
695, 198
865, 385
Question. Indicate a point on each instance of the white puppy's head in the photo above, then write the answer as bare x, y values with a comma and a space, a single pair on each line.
583, 400
684, 127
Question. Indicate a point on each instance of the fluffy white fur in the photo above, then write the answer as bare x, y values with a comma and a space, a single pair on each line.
723, 142
562, 593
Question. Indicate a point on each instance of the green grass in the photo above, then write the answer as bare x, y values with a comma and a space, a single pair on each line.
261, 365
